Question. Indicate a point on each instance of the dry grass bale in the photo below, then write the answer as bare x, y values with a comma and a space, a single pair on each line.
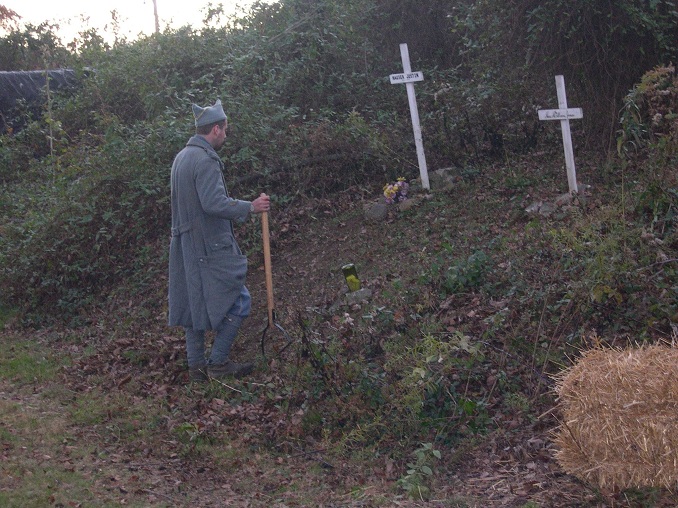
620, 418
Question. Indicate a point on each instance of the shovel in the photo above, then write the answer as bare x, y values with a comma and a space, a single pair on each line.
272, 323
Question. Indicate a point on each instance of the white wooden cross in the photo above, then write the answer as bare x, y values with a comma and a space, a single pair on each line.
564, 114
408, 77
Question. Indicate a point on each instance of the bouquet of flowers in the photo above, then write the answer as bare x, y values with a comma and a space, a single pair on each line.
396, 192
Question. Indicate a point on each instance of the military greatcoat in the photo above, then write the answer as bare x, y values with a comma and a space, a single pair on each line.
207, 270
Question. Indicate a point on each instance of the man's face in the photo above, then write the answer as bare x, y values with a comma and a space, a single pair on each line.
220, 136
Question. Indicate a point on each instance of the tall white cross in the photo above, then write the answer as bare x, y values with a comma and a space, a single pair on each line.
408, 77
564, 114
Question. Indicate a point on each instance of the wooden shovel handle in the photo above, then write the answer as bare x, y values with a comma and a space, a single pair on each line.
267, 265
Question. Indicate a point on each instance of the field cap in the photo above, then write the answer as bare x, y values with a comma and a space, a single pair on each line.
208, 115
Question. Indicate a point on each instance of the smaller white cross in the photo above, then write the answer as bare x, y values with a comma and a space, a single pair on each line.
564, 114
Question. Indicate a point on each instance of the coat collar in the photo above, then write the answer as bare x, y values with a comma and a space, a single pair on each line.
201, 142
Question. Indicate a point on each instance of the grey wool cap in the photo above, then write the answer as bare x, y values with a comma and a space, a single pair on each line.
208, 115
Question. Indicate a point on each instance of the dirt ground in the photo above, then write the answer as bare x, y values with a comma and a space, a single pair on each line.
512, 466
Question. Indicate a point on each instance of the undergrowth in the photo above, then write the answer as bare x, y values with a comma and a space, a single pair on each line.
475, 303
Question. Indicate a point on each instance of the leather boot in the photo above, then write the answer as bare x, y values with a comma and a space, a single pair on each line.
197, 374
229, 368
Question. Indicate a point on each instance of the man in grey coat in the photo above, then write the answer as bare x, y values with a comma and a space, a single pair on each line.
206, 267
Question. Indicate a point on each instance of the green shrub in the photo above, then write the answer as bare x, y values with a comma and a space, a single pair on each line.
452, 276
649, 114
87, 231
420, 472
422, 386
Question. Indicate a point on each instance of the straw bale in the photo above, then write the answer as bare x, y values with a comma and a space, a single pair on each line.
619, 410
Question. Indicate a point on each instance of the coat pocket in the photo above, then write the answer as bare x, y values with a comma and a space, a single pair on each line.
227, 268
224, 243
223, 277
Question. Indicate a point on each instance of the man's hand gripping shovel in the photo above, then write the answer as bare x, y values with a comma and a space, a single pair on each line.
269, 289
